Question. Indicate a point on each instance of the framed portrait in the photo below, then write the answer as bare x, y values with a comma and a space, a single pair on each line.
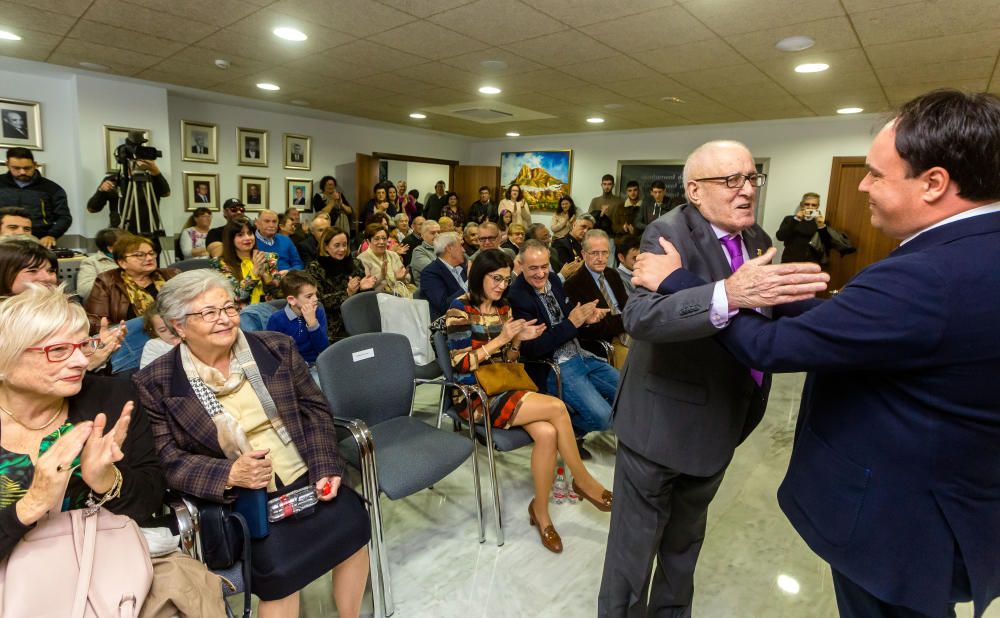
115, 137
251, 147
254, 191
200, 141
20, 124
298, 192
201, 190
297, 151
544, 175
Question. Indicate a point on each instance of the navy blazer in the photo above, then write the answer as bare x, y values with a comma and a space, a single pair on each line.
526, 304
439, 287
895, 460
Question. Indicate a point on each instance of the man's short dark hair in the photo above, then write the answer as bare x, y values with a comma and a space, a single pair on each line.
439, 183
293, 282
106, 238
483, 188
658, 184
533, 231
13, 211
414, 194
957, 131
20, 153
486, 262
608, 177
631, 183
627, 244
532, 245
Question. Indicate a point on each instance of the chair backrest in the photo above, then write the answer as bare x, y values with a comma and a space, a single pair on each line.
254, 317
192, 264
68, 269
440, 340
127, 356
278, 303
368, 376
360, 313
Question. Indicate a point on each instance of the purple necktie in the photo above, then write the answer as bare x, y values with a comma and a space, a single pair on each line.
735, 251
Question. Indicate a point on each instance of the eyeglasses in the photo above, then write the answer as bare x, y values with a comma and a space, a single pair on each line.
141, 255
598, 254
498, 279
213, 314
735, 181
488, 238
58, 352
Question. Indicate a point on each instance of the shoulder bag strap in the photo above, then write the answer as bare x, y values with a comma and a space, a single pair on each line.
86, 559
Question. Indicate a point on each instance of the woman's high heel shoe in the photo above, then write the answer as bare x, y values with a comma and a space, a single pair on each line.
550, 538
602, 504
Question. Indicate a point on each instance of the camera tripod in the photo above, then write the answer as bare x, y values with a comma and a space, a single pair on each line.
140, 183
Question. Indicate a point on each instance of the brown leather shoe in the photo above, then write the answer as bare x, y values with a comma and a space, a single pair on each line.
602, 504
550, 538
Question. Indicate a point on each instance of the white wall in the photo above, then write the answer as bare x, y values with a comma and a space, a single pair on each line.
422, 176
800, 151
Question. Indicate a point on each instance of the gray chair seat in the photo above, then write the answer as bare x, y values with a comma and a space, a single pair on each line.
503, 439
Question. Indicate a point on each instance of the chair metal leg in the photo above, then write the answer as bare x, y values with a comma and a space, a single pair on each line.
498, 516
475, 472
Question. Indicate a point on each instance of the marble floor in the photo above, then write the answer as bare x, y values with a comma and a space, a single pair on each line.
440, 570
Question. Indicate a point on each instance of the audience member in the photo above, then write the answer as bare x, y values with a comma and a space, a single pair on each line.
252, 273
603, 207
386, 266
231, 209
331, 201
401, 227
25, 261
45, 201
413, 239
446, 278
515, 237
161, 338
539, 232
194, 234
506, 219
650, 210
98, 262
480, 331
308, 247
129, 290
489, 238
418, 208
514, 202
627, 250
484, 209
286, 227
15, 221
303, 318
797, 231
297, 232
452, 211
274, 432
435, 203
570, 248
447, 224
563, 218
623, 218
405, 203
338, 276
379, 203
270, 241
424, 254
470, 238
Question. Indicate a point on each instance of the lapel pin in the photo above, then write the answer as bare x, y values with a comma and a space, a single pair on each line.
759, 253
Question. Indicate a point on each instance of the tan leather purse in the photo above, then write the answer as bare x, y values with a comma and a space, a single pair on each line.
496, 378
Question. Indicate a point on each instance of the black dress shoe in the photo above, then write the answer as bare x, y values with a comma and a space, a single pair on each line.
585, 455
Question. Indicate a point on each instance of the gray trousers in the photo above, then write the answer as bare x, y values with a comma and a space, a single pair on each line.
657, 512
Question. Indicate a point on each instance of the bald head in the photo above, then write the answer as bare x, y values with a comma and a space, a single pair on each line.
729, 208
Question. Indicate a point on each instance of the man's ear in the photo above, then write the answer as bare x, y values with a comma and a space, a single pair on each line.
693, 192
936, 184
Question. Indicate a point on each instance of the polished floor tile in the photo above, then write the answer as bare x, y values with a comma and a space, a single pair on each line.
440, 570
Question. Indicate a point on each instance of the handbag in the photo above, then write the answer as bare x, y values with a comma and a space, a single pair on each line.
496, 378
73, 565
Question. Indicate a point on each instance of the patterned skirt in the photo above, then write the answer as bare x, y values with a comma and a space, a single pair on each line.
502, 408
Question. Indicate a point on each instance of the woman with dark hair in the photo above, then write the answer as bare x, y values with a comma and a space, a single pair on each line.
482, 330
565, 215
194, 234
379, 203
252, 273
452, 211
338, 277
98, 262
332, 201
514, 201
23, 262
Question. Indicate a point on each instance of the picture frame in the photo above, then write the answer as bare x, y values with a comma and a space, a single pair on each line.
20, 124
115, 137
255, 192
199, 141
544, 175
198, 184
296, 151
298, 199
251, 147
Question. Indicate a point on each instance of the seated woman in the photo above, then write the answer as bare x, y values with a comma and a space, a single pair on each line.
338, 277
252, 273
98, 262
126, 292
385, 265
194, 234
480, 331
233, 411
161, 338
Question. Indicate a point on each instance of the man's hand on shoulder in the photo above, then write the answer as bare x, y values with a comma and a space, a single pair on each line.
758, 283
652, 268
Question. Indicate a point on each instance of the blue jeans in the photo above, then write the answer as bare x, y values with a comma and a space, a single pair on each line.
588, 388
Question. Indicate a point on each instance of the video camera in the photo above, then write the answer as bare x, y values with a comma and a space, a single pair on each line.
133, 149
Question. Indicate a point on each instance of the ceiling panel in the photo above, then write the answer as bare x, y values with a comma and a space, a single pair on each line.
561, 48
926, 19
939, 49
671, 25
736, 16
615, 68
103, 34
360, 18
831, 34
424, 8
149, 21
496, 21
429, 40
706, 54
584, 12
19, 17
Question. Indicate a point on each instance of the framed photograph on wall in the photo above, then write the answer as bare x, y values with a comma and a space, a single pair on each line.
20, 124
671, 173
298, 192
201, 190
115, 137
544, 175
200, 141
255, 192
251, 147
297, 151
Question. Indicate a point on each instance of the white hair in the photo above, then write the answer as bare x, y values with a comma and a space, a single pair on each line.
594, 234
443, 241
33, 316
173, 303
698, 154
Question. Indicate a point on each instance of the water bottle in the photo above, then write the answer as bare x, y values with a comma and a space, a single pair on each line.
571, 496
559, 487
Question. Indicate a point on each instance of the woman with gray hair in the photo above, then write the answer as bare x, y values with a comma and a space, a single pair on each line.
236, 412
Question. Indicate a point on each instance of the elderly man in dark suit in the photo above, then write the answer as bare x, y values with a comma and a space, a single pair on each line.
893, 477
595, 281
446, 278
685, 403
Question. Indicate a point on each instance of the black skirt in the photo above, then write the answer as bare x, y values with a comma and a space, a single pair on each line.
300, 550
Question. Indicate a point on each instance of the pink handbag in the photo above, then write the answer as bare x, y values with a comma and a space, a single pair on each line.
72, 565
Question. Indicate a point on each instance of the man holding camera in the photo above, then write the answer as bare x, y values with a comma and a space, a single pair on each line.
44, 200
797, 230
145, 218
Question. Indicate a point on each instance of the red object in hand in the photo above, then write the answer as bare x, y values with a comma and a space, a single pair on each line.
327, 488
286, 506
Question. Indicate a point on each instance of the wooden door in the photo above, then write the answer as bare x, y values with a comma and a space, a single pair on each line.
847, 211
467, 180
365, 177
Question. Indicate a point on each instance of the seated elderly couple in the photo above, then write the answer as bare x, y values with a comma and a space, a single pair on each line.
224, 412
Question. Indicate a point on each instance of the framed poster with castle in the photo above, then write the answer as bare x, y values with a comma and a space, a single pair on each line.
543, 175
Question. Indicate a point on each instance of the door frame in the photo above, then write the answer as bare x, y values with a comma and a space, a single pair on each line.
415, 159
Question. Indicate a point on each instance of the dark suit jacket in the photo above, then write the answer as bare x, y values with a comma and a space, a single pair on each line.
895, 457
187, 439
439, 287
581, 288
527, 305
251, 154
684, 401
567, 249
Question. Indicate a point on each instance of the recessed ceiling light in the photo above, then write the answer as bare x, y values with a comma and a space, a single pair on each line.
490, 90
672, 99
299, 102
93, 66
788, 583
290, 34
595, 120
8, 36
268, 86
493, 65
418, 116
513, 134
795, 43
812, 67
850, 110
614, 106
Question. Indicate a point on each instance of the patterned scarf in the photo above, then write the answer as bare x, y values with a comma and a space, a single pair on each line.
139, 298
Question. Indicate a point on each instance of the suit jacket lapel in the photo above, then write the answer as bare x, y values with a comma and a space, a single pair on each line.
707, 244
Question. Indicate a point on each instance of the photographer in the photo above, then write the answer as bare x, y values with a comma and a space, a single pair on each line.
797, 231
44, 200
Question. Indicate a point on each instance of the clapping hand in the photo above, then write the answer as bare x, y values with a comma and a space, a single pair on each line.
531, 330
582, 313
51, 475
259, 263
353, 285
368, 282
111, 340
103, 450
597, 316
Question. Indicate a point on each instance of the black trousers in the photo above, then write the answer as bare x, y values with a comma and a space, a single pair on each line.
657, 512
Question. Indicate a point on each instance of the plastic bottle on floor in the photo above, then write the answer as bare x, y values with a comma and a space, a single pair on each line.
559, 487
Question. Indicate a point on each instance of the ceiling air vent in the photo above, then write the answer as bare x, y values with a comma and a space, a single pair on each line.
482, 114
493, 112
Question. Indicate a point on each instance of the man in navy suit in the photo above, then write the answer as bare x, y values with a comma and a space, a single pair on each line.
894, 478
446, 278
